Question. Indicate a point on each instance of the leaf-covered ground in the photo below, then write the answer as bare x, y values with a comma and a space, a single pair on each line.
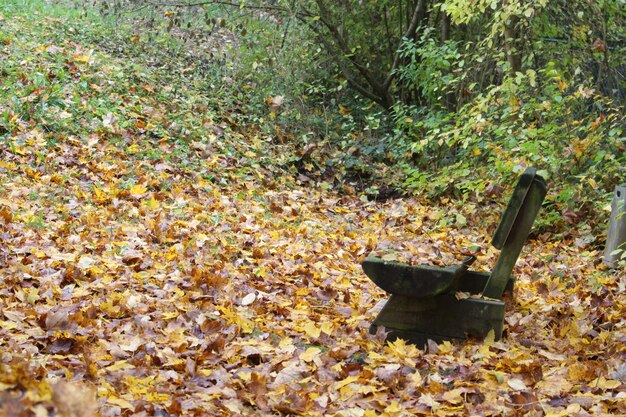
157, 259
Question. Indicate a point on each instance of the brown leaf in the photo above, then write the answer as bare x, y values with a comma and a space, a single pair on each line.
6, 216
175, 407
526, 401
599, 45
11, 406
493, 190
59, 320
257, 390
74, 399
293, 404
291, 373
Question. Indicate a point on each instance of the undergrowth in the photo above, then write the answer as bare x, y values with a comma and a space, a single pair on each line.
231, 74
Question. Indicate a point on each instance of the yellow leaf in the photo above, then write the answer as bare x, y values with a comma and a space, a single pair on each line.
8, 325
399, 345
454, 396
604, 383
153, 203
446, 348
118, 366
4, 386
81, 58
172, 253
245, 376
327, 327
32, 296
571, 410
490, 338
247, 326
201, 238
310, 354
402, 350
393, 408
343, 383
169, 316
121, 403
578, 372
6, 165
155, 397
415, 379
429, 400
312, 330
285, 343
344, 110
40, 391
138, 190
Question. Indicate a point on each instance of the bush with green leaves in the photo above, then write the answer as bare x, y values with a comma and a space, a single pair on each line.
429, 68
575, 136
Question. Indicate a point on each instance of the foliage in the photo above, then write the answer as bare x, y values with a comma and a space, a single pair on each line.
485, 85
428, 68
573, 134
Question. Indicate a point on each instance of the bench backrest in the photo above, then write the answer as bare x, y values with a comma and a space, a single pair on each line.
514, 227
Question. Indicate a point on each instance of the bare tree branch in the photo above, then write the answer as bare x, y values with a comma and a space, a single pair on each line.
418, 16
370, 85
378, 89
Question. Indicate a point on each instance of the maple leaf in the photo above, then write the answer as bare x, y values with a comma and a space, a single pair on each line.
138, 190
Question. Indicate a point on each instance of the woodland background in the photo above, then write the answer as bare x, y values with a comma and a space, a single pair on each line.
425, 97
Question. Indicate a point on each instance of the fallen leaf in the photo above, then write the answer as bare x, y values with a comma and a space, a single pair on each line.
248, 299
73, 399
517, 384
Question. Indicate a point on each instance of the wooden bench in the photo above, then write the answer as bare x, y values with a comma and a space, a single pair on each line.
423, 303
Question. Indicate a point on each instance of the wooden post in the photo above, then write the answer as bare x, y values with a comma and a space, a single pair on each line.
616, 238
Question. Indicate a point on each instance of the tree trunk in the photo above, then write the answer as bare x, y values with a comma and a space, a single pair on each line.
451, 99
445, 27
512, 45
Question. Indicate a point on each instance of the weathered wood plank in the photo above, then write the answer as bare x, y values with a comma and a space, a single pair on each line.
513, 208
414, 281
516, 238
442, 317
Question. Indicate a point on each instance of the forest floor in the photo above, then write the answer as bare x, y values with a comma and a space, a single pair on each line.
159, 259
